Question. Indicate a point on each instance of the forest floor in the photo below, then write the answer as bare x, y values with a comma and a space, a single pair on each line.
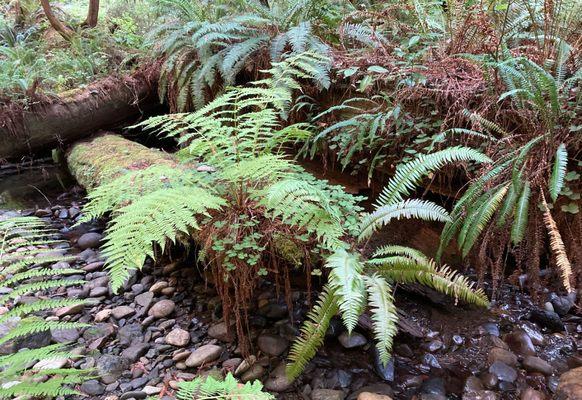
165, 327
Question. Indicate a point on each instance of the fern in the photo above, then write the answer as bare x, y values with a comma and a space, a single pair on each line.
521, 215
384, 315
209, 389
558, 172
558, 248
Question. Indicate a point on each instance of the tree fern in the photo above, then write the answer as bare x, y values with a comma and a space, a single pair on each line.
558, 172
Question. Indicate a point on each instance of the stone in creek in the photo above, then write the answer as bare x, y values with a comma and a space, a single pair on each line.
473, 384
520, 342
64, 335
232, 364
352, 341
531, 394
110, 368
327, 394
135, 351
94, 266
98, 292
384, 371
489, 328
272, 345
431, 361
245, 365
162, 309
373, 396
503, 372
570, 386
561, 304
278, 381
489, 380
536, 364
89, 240
145, 299
255, 372
221, 332
480, 395
203, 355
92, 388
547, 319
505, 356
137, 395
433, 389
70, 310
103, 315
131, 333
178, 337
122, 312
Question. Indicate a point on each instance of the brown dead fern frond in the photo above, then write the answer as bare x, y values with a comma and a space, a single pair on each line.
557, 247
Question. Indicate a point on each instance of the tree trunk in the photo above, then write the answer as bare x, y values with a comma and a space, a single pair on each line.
76, 114
63, 30
92, 14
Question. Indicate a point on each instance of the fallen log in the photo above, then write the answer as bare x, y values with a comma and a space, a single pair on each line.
71, 116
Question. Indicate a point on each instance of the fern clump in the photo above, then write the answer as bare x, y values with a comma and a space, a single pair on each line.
357, 282
24, 247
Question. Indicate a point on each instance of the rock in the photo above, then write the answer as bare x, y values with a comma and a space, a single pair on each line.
100, 330
531, 394
221, 332
245, 365
480, 395
99, 292
327, 394
433, 389
178, 337
89, 240
489, 328
431, 361
92, 388
274, 310
520, 342
151, 390
135, 351
159, 286
505, 356
232, 364
272, 345
278, 381
473, 384
503, 372
103, 315
122, 312
110, 368
384, 371
536, 364
433, 346
203, 355
547, 319
372, 396
137, 395
489, 380
70, 310
570, 385
51, 363
94, 266
130, 334
352, 341
561, 304
255, 372
32, 341
145, 299
64, 335
162, 309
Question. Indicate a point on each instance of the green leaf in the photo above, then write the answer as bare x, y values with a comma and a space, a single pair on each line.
558, 172
521, 215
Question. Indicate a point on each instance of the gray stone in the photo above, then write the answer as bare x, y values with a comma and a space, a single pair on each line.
131, 333
433, 389
122, 312
503, 372
278, 381
505, 356
98, 331
64, 335
536, 364
178, 337
203, 355
111, 367
135, 351
272, 345
327, 394
137, 395
99, 292
145, 299
89, 240
51, 363
384, 371
352, 341
162, 309
221, 332
255, 372
520, 342
92, 388
480, 395
70, 310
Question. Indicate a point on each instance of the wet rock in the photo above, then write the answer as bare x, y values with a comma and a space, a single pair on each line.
92, 388
151, 390
89, 240
431, 361
378, 389
278, 381
433, 345
232, 364
547, 319
327, 394
221, 332
162, 309
433, 389
373, 396
129, 334
531, 394
110, 368
503, 372
203, 355
100, 330
245, 365
536, 364
384, 371
64, 335
561, 304
178, 337
144, 299
489, 380
99, 292
122, 312
94, 266
274, 310
159, 286
480, 395
520, 342
137, 395
134, 352
272, 345
505, 356
70, 310
255, 372
489, 328
352, 341
570, 385
103, 315
473, 384
404, 350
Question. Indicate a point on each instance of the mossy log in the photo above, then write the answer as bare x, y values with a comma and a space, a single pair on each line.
76, 114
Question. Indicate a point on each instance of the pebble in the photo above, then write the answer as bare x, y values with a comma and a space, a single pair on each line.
89, 240
433, 389
520, 342
134, 352
505, 356
531, 394
70, 310
278, 381
137, 395
352, 341
503, 372
547, 319
162, 309
159, 286
255, 372
272, 345
372, 396
221, 332
178, 337
144, 299
92, 388
570, 385
103, 315
203, 355
122, 312
327, 394
536, 364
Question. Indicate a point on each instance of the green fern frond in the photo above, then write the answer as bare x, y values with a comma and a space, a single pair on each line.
395, 250
521, 215
39, 305
558, 172
209, 388
384, 315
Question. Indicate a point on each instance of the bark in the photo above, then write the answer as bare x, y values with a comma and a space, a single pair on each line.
61, 28
92, 14
76, 114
